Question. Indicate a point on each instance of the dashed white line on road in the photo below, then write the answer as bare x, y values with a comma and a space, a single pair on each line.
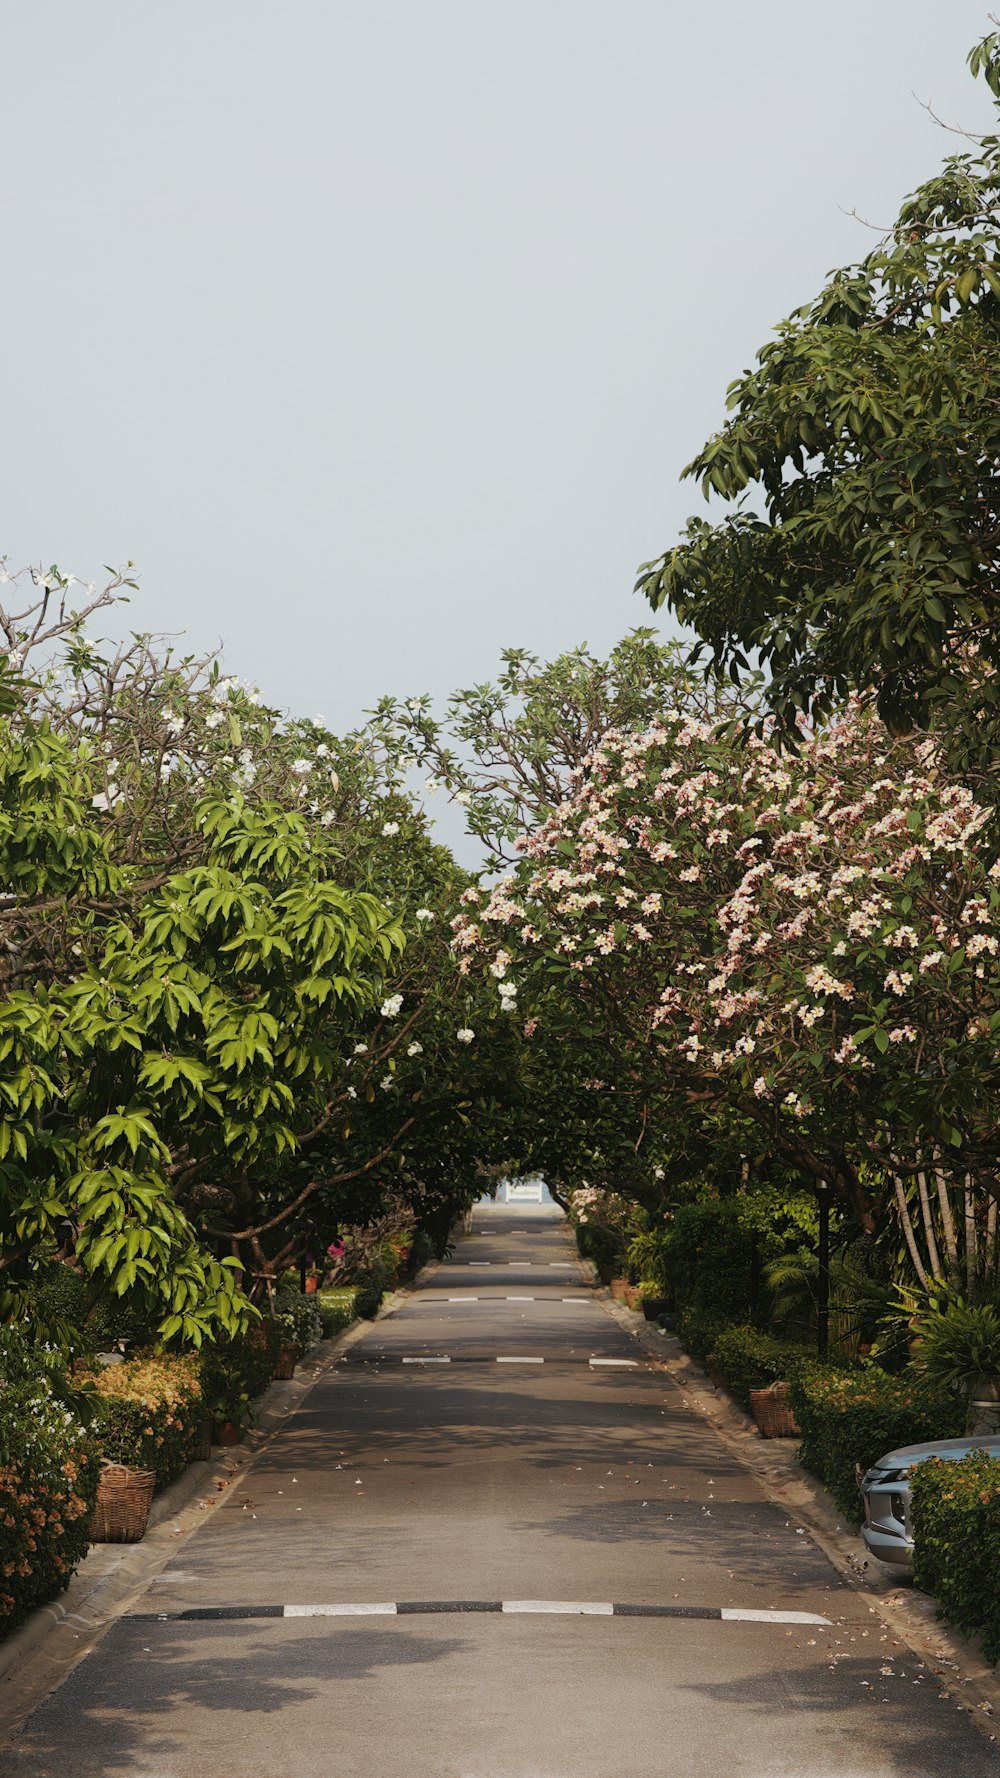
575, 1607
339, 1611
463, 1299
627, 1363
520, 1361
518, 1299
733, 1616
574, 1299
426, 1360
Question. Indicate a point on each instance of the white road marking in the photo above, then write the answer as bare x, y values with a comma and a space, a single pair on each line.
520, 1361
575, 1299
518, 1299
426, 1360
575, 1607
629, 1363
463, 1299
475, 1264
734, 1616
340, 1611
561, 1265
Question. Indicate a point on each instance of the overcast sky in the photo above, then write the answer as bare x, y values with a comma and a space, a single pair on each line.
378, 334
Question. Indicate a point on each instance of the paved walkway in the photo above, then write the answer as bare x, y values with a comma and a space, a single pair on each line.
494, 1543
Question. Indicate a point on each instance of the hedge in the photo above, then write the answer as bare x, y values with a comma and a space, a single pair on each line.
336, 1308
235, 1371
48, 1482
853, 1418
749, 1359
148, 1413
299, 1317
956, 1542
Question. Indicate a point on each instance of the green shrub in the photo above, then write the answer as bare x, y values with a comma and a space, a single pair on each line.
421, 1252
707, 1263
371, 1283
646, 1257
698, 1334
956, 1542
236, 1371
337, 1311
600, 1245
299, 1318
959, 1345
48, 1482
750, 1359
148, 1413
706, 1259
852, 1418
60, 1306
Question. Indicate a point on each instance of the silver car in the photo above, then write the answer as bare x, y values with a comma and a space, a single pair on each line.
885, 1491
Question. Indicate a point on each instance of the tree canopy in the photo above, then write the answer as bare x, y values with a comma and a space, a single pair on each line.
859, 548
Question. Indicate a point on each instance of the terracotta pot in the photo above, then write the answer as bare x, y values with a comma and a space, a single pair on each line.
227, 1432
312, 1285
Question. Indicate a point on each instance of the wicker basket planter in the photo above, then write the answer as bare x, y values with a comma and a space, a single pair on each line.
287, 1359
772, 1412
122, 1507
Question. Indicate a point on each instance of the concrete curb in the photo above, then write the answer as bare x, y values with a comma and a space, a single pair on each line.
910, 1615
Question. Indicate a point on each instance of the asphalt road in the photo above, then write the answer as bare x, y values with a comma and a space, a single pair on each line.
521, 1491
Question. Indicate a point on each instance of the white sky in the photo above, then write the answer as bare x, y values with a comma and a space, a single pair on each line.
378, 334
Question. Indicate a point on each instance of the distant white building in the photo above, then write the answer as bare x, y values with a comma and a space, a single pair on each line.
521, 1191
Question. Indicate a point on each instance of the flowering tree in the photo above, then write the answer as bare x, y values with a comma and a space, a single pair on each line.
807, 942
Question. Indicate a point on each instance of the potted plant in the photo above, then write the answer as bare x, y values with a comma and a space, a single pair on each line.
958, 1348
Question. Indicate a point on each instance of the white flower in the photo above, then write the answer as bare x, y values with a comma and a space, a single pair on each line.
220, 692
351, 1093
214, 720
391, 1006
415, 1049
175, 724
302, 767
463, 797
390, 829
100, 801
326, 820
432, 785
386, 1082
322, 751
465, 1035
361, 1049
424, 914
